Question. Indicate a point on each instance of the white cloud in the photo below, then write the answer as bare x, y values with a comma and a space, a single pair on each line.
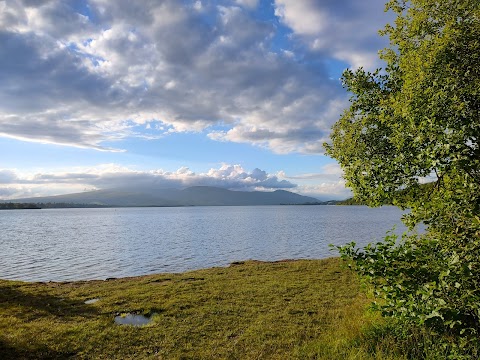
304, 17
327, 184
248, 3
346, 30
87, 79
198, 5
326, 190
15, 184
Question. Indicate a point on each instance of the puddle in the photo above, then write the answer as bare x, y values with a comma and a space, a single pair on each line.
132, 319
91, 301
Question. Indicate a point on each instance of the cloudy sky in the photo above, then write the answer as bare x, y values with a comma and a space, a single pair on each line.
233, 93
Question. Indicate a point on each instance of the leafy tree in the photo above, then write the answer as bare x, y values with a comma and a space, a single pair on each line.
418, 118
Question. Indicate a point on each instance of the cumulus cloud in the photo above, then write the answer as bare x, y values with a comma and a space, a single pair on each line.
84, 73
346, 30
328, 184
14, 184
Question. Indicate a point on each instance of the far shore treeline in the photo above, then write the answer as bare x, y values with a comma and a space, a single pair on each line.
62, 205
20, 206
158, 197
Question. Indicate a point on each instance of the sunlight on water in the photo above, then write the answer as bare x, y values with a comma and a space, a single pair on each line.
75, 244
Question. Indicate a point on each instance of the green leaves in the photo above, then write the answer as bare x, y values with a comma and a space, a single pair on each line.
420, 118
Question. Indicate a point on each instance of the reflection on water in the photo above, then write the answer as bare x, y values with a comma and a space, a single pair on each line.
75, 244
91, 301
132, 319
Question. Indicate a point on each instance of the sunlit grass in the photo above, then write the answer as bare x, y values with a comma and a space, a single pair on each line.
252, 310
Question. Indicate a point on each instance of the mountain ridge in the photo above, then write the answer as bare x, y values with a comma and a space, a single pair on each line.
190, 196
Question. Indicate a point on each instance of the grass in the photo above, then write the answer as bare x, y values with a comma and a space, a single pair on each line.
251, 310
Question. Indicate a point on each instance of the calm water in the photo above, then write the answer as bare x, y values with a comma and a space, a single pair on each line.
74, 244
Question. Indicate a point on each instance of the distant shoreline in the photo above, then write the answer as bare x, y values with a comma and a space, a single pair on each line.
21, 206
144, 276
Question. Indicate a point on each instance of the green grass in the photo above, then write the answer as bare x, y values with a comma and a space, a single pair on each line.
250, 310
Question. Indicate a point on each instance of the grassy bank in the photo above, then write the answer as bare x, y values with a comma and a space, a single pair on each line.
251, 310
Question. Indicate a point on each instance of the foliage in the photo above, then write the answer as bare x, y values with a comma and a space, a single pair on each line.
403, 194
350, 201
14, 206
48, 205
420, 118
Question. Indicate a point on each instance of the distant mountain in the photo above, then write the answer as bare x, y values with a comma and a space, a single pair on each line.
104, 197
205, 195
192, 196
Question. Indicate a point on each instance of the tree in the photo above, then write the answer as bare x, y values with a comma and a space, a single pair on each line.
416, 119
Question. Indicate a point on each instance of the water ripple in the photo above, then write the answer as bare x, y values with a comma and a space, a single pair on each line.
74, 244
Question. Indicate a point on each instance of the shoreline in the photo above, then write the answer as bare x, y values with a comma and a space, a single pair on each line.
233, 263
250, 309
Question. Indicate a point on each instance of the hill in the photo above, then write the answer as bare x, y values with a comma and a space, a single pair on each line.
192, 196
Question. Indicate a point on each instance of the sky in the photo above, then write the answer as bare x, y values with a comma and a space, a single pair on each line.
239, 94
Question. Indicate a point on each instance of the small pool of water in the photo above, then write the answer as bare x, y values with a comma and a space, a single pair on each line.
91, 301
132, 319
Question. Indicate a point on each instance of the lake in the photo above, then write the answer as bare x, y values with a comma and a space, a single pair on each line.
81, 244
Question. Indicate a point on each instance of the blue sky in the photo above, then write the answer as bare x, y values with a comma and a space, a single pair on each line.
234, 93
